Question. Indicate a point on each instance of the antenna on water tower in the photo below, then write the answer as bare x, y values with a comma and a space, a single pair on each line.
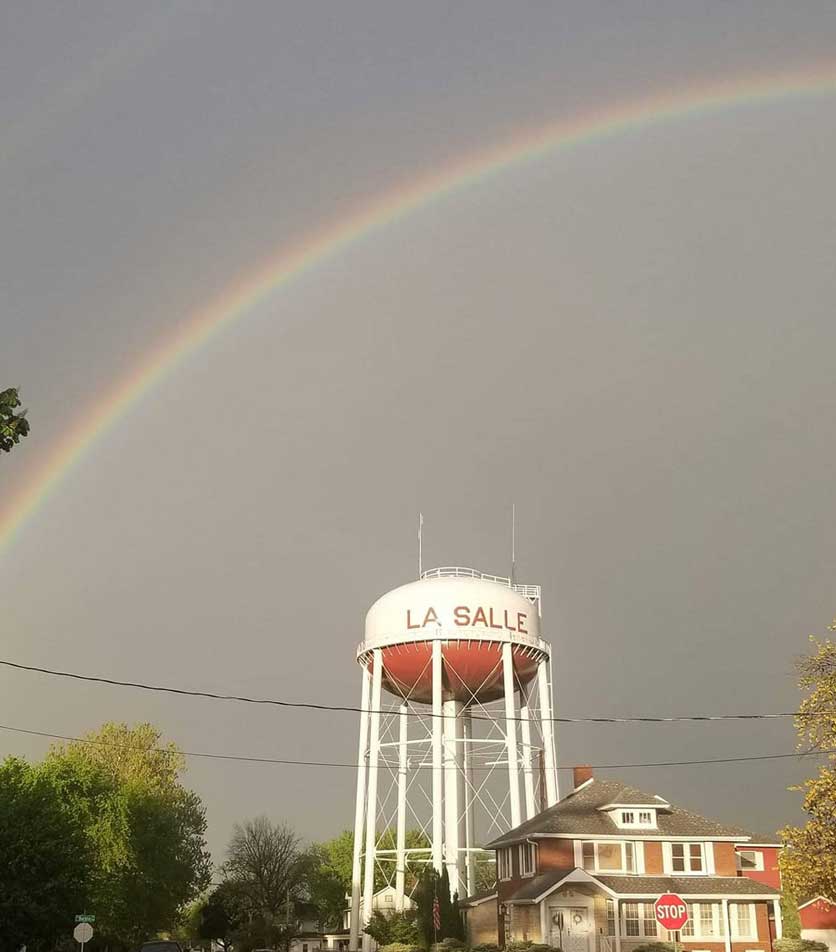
420, 543
513, 540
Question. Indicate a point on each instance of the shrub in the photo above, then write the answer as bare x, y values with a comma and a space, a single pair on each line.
399, 947
654, 947
485, 947
520, 946
799, 945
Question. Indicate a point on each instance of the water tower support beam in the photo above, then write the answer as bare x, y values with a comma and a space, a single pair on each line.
511, 734
400, 863
525, 727
359, 809
469, 833
371, 801
544, 689
438, 777
453, 791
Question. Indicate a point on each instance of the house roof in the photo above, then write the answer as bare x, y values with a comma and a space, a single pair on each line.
533, 889
580, 813
478, 897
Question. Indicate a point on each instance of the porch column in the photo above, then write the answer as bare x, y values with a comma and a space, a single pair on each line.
617, 925
779, 925
726, 924
545, 928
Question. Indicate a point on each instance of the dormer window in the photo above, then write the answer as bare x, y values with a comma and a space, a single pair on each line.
635, 819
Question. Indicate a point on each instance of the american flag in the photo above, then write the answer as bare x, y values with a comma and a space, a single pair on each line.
436, 914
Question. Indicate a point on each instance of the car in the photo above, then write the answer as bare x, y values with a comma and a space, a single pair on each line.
161, 945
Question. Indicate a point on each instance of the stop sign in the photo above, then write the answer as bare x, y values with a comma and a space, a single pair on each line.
671, 912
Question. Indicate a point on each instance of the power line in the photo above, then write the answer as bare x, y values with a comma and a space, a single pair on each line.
353, 766
345, 708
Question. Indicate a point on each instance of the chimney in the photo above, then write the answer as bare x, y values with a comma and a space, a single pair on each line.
582, 774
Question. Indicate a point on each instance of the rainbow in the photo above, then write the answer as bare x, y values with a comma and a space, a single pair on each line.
241, 297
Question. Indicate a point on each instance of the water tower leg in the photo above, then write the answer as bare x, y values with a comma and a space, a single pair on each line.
438, 778
359, 810
511, 734
544, 689
400, 859
453, 790
469, 832
371, 801
528, 772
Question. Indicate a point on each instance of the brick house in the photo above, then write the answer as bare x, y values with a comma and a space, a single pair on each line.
583, 876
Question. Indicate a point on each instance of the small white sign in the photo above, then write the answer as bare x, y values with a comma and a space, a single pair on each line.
83, 932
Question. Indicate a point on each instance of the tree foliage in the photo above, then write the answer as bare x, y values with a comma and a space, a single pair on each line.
145, 830
433, 886
13, 426
43, 873
808, 860
397, 928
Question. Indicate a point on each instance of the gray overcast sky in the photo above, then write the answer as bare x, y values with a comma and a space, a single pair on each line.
632, 340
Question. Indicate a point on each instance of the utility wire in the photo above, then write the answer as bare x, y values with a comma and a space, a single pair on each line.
353, 766
345, 708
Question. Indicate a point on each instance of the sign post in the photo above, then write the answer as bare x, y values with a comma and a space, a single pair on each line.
671, 913
83, 933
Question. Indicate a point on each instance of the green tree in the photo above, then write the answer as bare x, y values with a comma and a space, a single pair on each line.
808, 860
432, 887
220, 915
43, 873
13, 426
145, 829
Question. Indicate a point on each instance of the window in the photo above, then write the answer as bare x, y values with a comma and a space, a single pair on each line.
743, 920
645, 818
687, 858
526, 859
639, 919
749, 859
631, 918
608, 857
610, 917
588, 861
503, 859
705, 920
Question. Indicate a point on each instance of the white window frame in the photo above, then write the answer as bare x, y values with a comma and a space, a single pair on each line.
527, 851
597, 866
686, 853
735, 925
504, 864
644, 915
635, 819
694, 926
757, 855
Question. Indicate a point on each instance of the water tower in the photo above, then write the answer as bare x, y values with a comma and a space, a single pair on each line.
456, 738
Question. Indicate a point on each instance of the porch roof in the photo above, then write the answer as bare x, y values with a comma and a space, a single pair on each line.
731, 886
538, 887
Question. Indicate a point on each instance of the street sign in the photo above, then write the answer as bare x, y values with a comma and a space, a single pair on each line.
82, 933
671, 912
83, 917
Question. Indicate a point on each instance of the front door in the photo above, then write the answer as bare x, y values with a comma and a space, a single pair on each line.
570, 928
